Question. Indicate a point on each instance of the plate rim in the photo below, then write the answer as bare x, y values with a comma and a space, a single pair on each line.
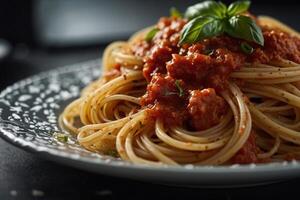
54, 154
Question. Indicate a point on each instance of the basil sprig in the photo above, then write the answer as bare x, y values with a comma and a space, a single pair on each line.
174, 12
210, 18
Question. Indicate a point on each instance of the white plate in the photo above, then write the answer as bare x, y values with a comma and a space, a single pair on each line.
28, 118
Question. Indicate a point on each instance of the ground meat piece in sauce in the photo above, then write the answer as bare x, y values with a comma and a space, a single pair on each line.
209, 71
156, 61
161, 88
205, 108
224, 62
169, 114
164, 44
170, 31
164, 97
277, 45
191, 68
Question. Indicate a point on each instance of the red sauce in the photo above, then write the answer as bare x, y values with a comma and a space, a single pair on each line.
201, 71
204, 70
164, 101
206, 64
277, 45
248, 153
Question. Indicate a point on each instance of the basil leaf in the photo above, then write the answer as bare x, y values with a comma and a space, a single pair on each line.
150, 35
206, 8
174, 12
201, 28
244, 27
238, 7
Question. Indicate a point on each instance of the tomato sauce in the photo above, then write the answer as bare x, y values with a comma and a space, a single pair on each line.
202, 69
185, 82
248, 153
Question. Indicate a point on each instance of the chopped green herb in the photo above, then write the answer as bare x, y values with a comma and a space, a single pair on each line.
61, 137
174, 12
150, 35
246, 48
209, 18
180, 90
168, 93
112, 153
208, 52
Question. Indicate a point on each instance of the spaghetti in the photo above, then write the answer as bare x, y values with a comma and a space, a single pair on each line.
206, 103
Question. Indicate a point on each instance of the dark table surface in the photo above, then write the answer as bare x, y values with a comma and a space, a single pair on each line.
27, 176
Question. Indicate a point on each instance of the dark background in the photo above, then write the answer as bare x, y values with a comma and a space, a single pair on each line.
38, 35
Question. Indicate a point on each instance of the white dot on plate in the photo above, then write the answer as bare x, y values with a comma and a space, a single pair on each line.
13, 193
189, 166
37, 193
